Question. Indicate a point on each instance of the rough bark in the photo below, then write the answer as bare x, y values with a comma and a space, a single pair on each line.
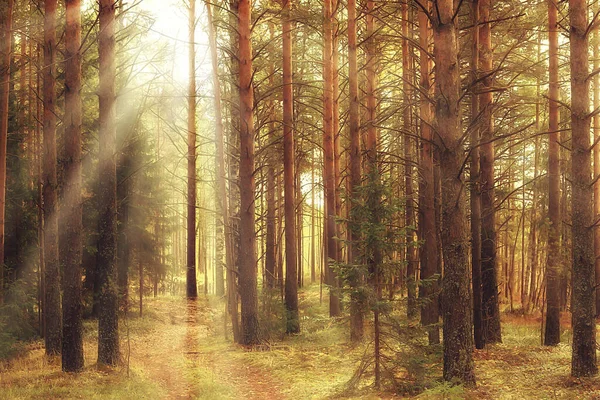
552, 330
356, 300
428, 292
289, 176
52, 317
248, 271
108, 304
490, 310
329, 160
6, 17
71, 229
458, 337
191, 285
583, 362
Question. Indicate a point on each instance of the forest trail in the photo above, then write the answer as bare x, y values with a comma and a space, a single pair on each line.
189, 360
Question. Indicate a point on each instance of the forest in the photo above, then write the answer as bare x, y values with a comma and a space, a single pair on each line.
299, 199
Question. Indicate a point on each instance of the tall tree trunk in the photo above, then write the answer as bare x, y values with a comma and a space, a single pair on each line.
475, 193
458, 336
108, 320
191, 285
289, 163
6, 17
71, 208
247, 274
411, 260
52, 320
552, 330
428, 253
583, 312
329, 160
596, 136
356, 299
220, 157
490, 310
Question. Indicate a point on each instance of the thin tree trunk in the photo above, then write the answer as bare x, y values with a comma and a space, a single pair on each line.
458, 336
552, 330
490, 311
356, 302
329, 161
6, 17
428, 293
52, 312
411, 260
582, 306
596, 136
108, 319
192, 287
248, 273
71, 244
289, 176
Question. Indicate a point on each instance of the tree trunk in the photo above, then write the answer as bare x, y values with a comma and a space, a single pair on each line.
191, 285
71, 208
247, 274
220, 157
475, 193
428, 293
108, 320
289, 176
356, 300
329, 160
52, 321
596, 136
552, 330
411, 260
490, 310
583, 313
6, 17
458, 336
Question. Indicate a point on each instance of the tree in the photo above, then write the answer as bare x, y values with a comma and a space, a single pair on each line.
428, 292
583, 361
192, 287
291, 270
250, 334
6, 16
475, 193
490, 310
356, 299
108, 319
52, 317
329, 159
70, 240
552, 330
458, 337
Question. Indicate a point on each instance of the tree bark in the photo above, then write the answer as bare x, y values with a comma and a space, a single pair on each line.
329, 160
108, 320
428, 293
52, 312
248, 272
191, 285
70, 239
6, 17
475, 192
458, 336
356, 299
289, 176
552, 330
582, 306
490, 310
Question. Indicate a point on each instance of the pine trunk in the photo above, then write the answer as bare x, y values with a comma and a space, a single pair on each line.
458, 336
583, 280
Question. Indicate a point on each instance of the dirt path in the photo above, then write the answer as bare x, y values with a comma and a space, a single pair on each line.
189, 361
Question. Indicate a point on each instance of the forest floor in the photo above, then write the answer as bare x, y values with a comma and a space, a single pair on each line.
178, 350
